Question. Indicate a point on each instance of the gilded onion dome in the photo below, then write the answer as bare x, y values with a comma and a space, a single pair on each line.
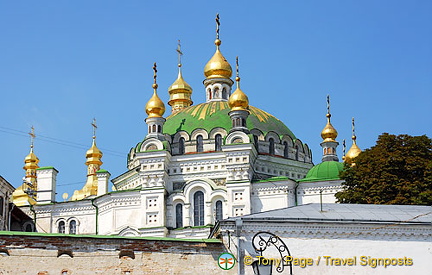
31, 161
26, 193
238, 100
93, 162
218, 66
180, 84
155, 107
180, 92
329, 133
354, 151
94, 155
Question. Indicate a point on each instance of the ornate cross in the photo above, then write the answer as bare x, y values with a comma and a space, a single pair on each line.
180, 53
217, 25
154, 73
32, 136
93, 124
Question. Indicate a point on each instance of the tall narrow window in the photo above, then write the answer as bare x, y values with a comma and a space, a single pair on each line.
199, 145
218, 142
154, 128
198, 208
159, 129
181, 146
61, 227
271, 147
179, 215
255, 141
297, 152
286, 149
1, 206
219, 214
72, 227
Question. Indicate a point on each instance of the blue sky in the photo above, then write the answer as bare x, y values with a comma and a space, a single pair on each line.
64, 62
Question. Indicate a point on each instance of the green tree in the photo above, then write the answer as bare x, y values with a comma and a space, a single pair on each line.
397, 170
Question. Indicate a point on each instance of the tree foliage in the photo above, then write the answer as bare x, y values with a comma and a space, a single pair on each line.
397, 170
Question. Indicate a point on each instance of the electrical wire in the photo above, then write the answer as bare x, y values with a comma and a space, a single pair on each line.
59, 141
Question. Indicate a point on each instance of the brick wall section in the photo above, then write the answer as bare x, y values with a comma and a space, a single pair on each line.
35, 253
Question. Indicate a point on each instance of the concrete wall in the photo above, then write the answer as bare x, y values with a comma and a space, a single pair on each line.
35, 253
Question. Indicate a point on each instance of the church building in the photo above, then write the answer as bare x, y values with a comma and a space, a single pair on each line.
198, 164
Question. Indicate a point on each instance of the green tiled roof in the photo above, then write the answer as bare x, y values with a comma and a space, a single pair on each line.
215, 114
327, 170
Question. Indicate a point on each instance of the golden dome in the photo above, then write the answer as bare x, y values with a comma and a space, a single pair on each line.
93, 154
353, 152
180, 85
155, 107
31, 161
329, 133
238, 100
218, 66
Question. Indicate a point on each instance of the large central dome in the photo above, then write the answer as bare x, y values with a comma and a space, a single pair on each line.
214, 114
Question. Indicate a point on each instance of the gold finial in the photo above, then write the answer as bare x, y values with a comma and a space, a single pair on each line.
217, 66
353, 130
354, 151
93, 124
238, 100
32, 136
237, 73
329, 133
180, 53
155, 86
217, 26
180, 92
155, 107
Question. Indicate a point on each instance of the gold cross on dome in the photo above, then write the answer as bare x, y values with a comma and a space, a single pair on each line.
32, 136
154, 72
217, 25
353, 127
180, 53
93, 124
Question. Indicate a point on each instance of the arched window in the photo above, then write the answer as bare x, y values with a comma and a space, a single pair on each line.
218, 142
29, 228
72, 227
149, 128
199, 145
219, 215
159, 129
181, 146
271, 147
224, 93
198, 208
1, 206
286, 149
61, 227
255, 138
154, 128
297, 152
179, 215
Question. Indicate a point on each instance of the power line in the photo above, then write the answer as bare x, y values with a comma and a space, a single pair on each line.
59, 141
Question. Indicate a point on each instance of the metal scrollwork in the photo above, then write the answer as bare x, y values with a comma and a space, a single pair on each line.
263, 240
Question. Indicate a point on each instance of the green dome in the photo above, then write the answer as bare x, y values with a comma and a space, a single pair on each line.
211, 115
327, 170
